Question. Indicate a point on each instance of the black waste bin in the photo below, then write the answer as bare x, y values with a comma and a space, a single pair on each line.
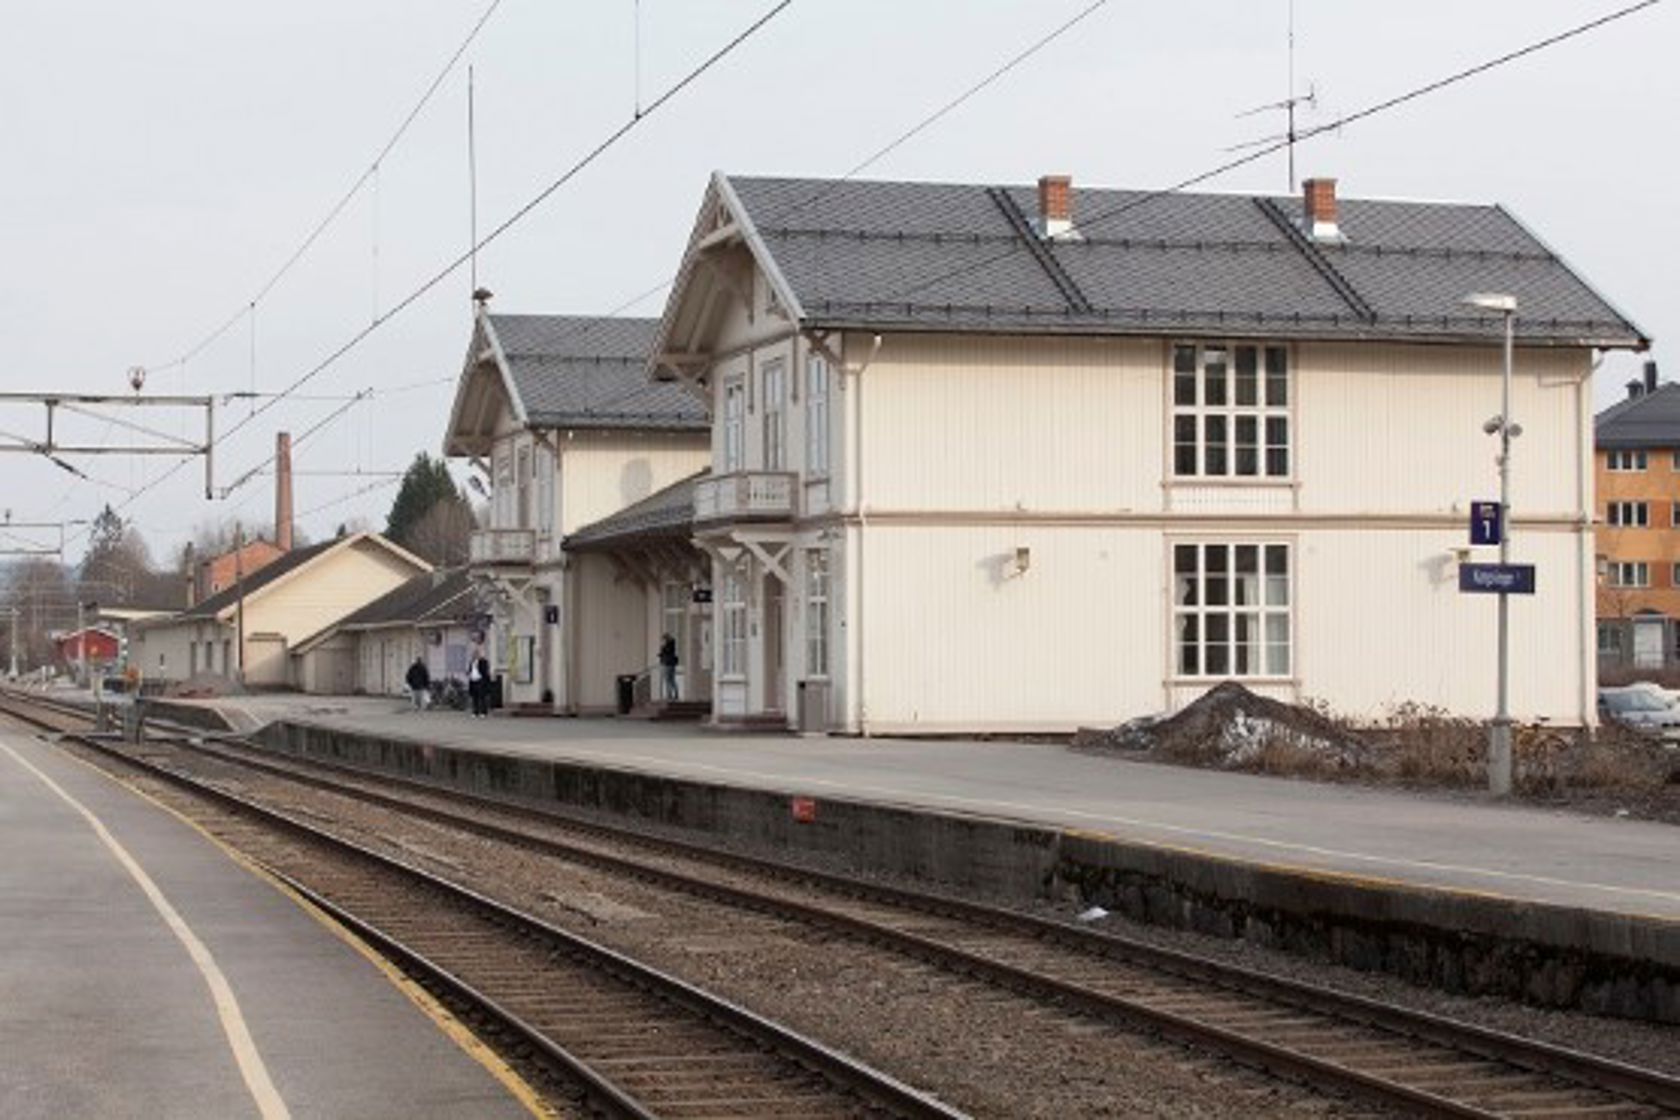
626, 693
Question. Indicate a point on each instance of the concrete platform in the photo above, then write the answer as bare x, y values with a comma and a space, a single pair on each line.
105, 1012
1556, 907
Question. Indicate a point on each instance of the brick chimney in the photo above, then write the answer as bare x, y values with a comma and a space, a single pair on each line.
283, 491
1055, 205
1651, 375
1318, 210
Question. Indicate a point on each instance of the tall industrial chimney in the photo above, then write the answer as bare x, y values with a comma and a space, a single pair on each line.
283, 491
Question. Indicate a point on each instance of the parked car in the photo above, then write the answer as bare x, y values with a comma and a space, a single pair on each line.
1669, 696
1641, 709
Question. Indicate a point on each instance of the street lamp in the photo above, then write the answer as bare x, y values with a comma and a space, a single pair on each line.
1499, 734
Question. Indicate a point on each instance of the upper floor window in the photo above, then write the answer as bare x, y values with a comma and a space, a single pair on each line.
775, 415
1628, 573
1676, 462
522, 484
816, 416
1230, 411
1629, 515
1628, 460
734, 416
1231, 609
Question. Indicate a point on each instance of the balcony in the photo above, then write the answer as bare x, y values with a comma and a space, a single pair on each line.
745, 496
502, 548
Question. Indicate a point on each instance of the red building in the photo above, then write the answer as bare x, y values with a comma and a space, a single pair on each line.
102, 646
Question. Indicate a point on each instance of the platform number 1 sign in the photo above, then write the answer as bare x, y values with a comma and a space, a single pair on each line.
1487, 526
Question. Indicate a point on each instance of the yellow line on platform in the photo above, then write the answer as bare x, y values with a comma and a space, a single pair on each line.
269, 1103
453, 1029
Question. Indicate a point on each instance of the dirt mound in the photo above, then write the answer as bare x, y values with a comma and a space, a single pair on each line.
1231, 727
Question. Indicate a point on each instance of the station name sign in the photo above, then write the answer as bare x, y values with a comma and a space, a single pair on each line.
1497, 579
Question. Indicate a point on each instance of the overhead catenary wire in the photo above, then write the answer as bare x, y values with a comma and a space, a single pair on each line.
922, 125
338, 208
575, 169
1107, 215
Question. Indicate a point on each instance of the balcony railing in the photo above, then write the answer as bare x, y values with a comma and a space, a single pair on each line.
492, 547
745, 496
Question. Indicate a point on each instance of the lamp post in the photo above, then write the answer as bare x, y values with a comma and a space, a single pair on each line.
1499, 733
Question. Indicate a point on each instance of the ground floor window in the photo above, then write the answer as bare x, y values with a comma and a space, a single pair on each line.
816, 612
1609, 638
734, 609
1231, 609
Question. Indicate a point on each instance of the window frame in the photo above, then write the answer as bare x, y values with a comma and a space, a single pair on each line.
819, 598
817, 417
1616, 514
1200, 604
1627, 460
773, 397
732, 615
734, 410
1194, 417
1616, 569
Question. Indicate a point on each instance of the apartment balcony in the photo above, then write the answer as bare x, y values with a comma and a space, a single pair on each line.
502, 548
746, 496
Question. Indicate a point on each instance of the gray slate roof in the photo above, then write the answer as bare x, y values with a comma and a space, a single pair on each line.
1651, 420
930, 256
257, 580
591, 372
440, 596
664, 514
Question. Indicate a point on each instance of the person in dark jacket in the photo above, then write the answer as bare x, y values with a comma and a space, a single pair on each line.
419, 684
478, 685
668, 661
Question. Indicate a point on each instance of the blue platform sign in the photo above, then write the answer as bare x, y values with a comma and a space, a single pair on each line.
1487, 524
1497, 579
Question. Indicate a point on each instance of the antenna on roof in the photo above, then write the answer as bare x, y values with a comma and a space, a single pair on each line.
472, 188
1287, 106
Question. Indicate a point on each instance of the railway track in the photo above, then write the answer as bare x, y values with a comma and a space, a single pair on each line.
1392, 1055
624, 1039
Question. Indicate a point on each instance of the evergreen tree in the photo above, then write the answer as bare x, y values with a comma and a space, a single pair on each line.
425, 485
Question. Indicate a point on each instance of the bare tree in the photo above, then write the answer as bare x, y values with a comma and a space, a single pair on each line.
442, 533
45, 598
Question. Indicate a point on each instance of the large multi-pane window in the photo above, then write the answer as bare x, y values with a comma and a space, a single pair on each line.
1629, 515
816, 416
522, 484
734, 612
1628, 460
1231, 609
1230, 411
734, 416
816, 612
1628, 573
775, 416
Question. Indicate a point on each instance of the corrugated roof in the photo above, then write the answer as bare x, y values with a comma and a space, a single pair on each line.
430, 596
934, 256
1650, 420
591, 372
665, 514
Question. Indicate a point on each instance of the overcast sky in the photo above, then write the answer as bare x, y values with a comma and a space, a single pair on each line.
162, 160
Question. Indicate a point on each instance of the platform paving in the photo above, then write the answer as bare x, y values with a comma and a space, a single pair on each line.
1456, 843
103, 1012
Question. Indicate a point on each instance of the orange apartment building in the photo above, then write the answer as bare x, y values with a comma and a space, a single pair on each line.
1636, 467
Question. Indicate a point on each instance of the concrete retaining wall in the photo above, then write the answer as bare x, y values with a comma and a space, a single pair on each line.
1548, 955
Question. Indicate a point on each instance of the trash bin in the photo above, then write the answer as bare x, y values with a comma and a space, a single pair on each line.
626, 693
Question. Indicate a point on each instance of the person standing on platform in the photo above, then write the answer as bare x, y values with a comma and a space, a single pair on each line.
668, 665
478, 684
419, 684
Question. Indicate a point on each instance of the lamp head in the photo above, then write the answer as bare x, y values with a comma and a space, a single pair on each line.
1492, 301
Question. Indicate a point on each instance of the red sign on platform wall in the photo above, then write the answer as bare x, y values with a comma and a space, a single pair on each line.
805, 809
